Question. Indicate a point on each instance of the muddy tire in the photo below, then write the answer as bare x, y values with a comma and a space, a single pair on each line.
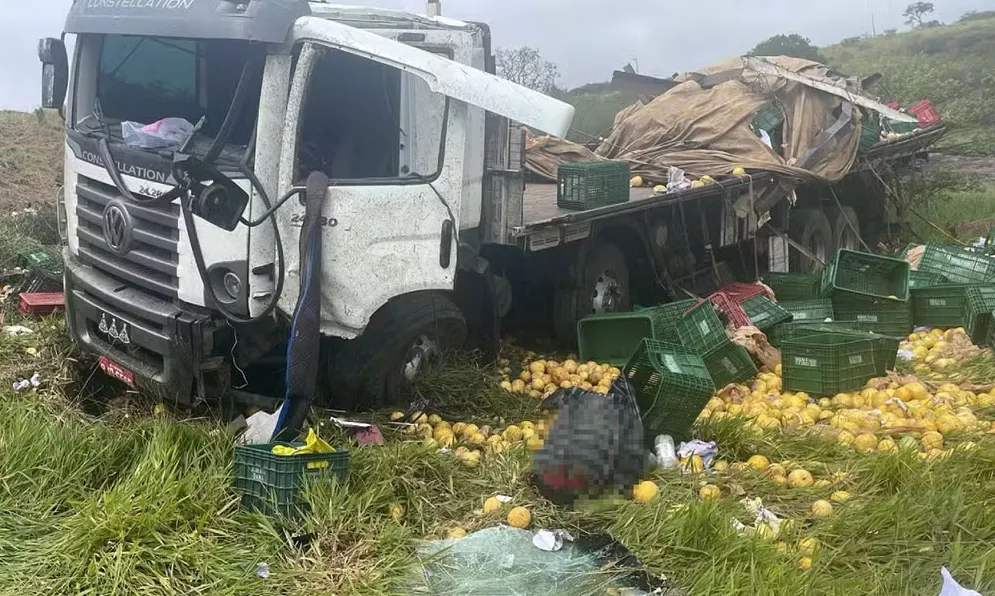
811, 229
602, 286
403, 341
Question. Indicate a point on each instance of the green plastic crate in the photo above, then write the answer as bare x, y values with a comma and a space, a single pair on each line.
591, 184
777, 335
978, 307
818, 309
900, 127
672, 387
958, 264
921, 279
670, 314
884, 316
730, 364
827, 363
273, 483
793, 286
870, 134
612, 337
939, 306
885, 346
991, 335
768, 119
802, 311
764, 313
858, 273
701, 330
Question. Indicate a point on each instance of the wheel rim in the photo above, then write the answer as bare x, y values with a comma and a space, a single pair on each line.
607, 293
419, 357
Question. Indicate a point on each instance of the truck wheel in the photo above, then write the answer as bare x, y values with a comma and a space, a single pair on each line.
844, 236
603, 287
811, 229
403, 341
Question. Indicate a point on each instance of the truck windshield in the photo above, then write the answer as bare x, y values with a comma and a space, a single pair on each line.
146, 79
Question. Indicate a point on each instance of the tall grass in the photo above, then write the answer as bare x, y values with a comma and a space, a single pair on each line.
949, 201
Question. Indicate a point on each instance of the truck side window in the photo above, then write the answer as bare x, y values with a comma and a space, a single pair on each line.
366, 121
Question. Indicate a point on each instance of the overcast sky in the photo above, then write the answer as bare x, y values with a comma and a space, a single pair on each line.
587, 39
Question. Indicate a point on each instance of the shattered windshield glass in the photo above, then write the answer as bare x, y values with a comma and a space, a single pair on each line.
147, 79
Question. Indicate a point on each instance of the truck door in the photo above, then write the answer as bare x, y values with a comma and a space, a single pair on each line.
390, 224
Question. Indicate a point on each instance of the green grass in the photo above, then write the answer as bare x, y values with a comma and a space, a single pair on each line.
142, 504
595, 113
949, 202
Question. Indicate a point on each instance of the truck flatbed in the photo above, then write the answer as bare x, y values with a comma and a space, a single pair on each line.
540, 211
541, 215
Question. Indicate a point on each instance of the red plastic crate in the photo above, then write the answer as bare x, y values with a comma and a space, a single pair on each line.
41, 303
728, 307
741, 292
926, 112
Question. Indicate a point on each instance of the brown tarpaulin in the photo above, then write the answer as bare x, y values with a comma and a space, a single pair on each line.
544, 154
708, 130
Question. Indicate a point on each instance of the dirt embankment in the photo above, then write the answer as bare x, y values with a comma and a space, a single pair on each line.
31, 147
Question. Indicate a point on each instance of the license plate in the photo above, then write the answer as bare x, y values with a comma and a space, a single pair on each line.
115, 370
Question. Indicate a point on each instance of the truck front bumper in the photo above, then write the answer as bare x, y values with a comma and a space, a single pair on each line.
163, 345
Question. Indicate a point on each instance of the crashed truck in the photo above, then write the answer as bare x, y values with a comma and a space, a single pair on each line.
350, 193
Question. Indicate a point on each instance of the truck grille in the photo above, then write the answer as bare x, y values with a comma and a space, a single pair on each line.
151, 262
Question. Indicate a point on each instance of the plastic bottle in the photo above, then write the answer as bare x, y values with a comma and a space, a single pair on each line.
666, 454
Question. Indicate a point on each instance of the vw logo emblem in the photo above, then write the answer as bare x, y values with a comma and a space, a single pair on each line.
117, 228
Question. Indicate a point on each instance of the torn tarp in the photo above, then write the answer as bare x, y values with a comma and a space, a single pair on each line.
704, 125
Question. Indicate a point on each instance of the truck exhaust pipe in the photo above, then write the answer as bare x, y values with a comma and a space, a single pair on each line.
434, 8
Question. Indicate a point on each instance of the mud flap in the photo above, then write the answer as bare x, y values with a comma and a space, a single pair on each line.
305, 330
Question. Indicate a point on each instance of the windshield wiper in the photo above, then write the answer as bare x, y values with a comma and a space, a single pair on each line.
98, 115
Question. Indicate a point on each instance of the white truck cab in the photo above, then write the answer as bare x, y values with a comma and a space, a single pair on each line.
398, 111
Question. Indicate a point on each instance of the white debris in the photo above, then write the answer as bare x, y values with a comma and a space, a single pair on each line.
952, 588
706, 450
16, 330
262, 570
260, 428
551, 540
666, 455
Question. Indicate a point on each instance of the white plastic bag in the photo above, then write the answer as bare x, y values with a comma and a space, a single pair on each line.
952, 588
676, 180
706, 450
164, 133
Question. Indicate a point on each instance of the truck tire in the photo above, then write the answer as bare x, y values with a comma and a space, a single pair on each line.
843, 235
404, 339
603, 286
811, 229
